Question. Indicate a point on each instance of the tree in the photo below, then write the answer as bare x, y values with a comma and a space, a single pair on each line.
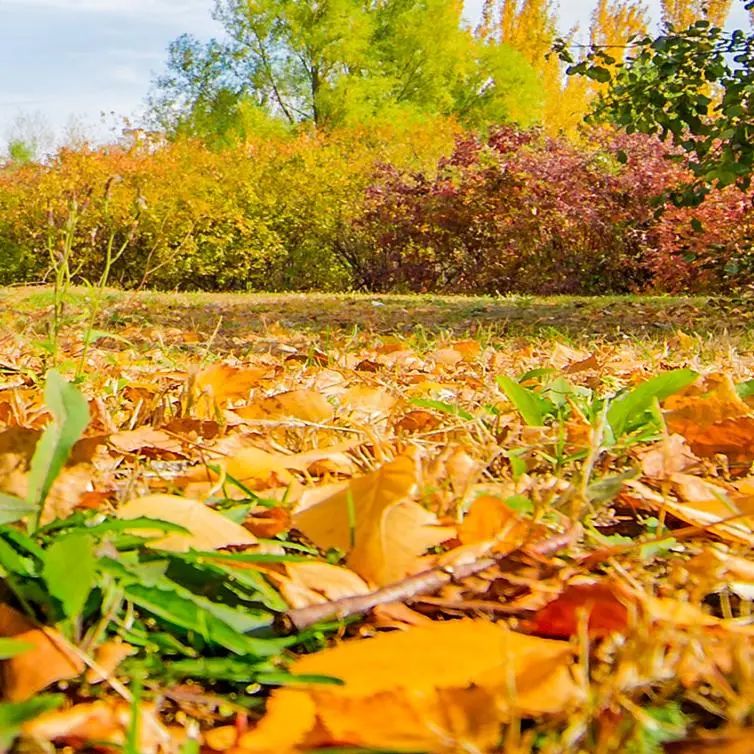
29, 138
330, 62
693, 87
616, 22
680, 14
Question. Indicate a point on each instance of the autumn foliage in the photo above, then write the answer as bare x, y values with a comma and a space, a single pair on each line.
381, 210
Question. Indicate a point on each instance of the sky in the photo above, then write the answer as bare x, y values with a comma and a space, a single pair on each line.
82, 65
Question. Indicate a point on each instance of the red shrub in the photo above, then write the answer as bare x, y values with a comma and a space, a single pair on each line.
529, 214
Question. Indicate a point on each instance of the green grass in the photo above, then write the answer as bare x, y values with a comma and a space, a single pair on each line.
569, 318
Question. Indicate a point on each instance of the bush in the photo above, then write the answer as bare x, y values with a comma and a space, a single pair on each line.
259, 215
379, 209
525, 213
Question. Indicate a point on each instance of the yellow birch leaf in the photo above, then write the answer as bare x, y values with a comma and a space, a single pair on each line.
307, 405
313, 583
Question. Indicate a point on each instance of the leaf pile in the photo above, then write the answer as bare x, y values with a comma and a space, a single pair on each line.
377, 543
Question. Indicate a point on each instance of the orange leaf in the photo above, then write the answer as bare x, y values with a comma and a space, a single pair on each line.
48, 662
490, 519
734, 742
716, 421
440, 687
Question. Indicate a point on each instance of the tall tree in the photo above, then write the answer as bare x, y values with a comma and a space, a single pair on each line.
615, 22
530, 26
693, 86
680, 14
333, 61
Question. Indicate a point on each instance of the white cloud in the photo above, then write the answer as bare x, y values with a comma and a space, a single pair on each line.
126, 74
194, 10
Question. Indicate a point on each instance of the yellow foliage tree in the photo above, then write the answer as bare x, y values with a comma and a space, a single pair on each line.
614, 22
531, 26
682, 13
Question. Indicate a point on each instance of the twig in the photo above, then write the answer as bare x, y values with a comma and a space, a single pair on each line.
422, 583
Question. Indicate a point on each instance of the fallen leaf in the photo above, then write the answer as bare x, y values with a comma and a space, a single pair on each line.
152, 442
307, 405
218, 384
490, 519
376, 523
601, 605
50, 660
733, 742
444, 687
715, 421
314, 583
671, 455
100, 722
108, 657
208, 529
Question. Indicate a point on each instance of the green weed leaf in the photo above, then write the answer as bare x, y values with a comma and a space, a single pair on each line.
13, 509
533, 407
13, 716
442, 407
70, 571
12, 647
627, 412
70, 416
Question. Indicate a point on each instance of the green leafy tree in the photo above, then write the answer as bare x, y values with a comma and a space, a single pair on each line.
335, 62
693, 87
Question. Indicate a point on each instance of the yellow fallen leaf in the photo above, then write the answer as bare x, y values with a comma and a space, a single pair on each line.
368, 401
218, 384
100, 722
443, 687
374, 520
108, 656
307, 405
208, 529
145, 437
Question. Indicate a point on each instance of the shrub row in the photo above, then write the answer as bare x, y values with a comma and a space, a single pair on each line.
389, 211
524, 213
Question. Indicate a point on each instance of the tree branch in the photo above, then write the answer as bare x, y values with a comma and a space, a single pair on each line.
422, 583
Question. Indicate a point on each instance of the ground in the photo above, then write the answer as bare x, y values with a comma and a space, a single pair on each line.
558, 486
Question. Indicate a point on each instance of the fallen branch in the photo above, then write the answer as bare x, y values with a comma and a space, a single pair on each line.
423, 583
402, 591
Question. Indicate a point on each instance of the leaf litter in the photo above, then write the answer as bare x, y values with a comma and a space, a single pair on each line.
377, 543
